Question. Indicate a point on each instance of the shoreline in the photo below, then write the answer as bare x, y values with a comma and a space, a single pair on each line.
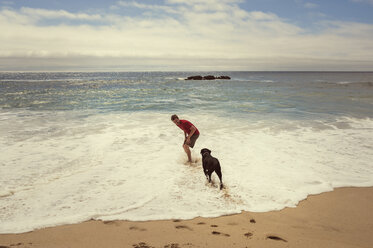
340, 218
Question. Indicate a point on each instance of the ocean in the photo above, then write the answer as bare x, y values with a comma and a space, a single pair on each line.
80, 146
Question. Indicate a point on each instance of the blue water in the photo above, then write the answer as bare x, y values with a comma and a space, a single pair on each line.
259, 94
80, 146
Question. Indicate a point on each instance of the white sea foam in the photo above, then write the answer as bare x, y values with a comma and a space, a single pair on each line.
66, 167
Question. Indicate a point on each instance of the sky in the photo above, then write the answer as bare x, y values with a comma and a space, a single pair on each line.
186, 35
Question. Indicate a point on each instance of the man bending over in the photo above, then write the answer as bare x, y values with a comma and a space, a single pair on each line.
191, 134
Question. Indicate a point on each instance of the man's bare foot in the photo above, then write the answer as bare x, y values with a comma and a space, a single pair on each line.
188, 163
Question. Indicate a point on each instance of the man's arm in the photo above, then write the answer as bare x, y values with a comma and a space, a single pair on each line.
192, 130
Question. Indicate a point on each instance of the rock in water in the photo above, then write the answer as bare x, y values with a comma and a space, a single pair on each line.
208, 77
194, 78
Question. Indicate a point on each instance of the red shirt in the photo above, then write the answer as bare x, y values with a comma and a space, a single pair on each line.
186, 125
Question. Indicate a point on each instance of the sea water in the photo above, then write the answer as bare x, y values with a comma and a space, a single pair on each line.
80, 146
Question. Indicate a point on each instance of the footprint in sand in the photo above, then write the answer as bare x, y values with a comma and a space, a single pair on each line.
248, 235
183, 227
219, 233
273, 237
142, 245
233, 224
135, 228
172, 246
111, 223
15, 245
214, 225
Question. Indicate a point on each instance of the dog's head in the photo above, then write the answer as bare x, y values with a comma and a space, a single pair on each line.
205, 152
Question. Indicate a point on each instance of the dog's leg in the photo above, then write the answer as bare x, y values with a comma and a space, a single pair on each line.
204, 169
209, 176
218, 172
206, 174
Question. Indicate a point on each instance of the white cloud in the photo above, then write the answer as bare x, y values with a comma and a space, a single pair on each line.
310, 5
54, 14
261, 16
307, 5
152, 7
29, 16
185, 31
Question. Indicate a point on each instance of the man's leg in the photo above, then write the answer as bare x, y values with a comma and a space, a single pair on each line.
187, 150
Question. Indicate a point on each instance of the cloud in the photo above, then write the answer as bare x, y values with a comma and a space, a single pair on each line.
30, 16
311, 5
151, 7
307, 5
55, 14
185, 33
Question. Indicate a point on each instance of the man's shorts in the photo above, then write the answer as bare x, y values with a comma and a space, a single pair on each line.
192, 140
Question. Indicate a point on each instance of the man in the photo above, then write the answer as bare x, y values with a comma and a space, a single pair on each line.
191, 134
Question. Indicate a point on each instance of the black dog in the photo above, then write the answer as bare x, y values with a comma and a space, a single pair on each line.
211, 164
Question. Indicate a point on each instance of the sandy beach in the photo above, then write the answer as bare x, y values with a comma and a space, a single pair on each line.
342, 218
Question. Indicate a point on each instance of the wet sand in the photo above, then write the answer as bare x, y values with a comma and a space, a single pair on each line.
342, 218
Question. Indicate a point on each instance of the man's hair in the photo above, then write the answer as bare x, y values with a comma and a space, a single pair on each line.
173, 117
